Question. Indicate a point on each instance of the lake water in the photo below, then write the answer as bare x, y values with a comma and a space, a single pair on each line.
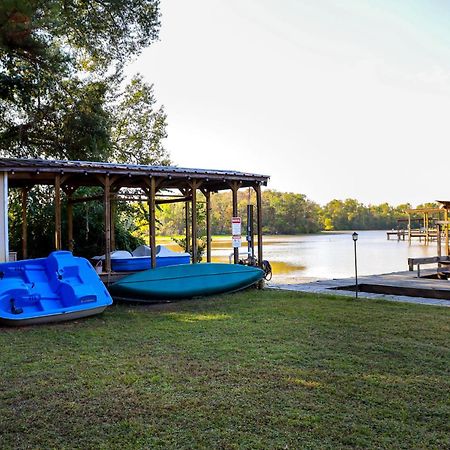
331, 255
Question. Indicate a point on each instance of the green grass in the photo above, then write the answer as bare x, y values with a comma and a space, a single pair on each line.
251, 370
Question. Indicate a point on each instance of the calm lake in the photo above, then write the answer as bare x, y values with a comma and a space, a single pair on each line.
331, 255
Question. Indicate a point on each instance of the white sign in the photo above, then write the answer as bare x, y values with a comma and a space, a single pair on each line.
236, 226
237, 240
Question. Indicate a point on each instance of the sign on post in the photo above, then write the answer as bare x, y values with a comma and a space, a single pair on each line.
236, 230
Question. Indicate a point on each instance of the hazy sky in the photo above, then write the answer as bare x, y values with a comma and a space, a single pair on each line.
331, 98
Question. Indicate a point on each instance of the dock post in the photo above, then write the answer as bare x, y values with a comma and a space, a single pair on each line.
409, 228
439, 248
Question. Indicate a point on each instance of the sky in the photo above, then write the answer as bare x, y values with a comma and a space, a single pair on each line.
331, 98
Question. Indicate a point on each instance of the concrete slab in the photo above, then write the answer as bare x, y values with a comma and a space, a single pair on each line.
406, 281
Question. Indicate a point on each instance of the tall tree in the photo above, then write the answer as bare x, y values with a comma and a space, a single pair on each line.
139, 127
58, 60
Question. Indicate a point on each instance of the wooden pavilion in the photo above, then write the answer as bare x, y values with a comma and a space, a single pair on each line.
155, 183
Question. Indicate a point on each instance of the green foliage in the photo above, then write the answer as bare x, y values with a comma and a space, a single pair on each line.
201, 234
53, 85
289, 213
352, 215
61, 69
139, 127
88, 223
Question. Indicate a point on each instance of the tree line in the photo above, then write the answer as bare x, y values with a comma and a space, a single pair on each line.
289, 213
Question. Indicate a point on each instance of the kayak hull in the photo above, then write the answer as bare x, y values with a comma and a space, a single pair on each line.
186, 281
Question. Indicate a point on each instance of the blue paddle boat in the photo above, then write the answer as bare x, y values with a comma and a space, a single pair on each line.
185, 281
59, 287
140, 258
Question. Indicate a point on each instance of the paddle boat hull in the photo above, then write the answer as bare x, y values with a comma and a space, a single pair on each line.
135, 263
185, 281
140, 259
57, 288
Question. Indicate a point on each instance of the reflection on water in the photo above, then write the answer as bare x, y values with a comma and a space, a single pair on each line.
330, 255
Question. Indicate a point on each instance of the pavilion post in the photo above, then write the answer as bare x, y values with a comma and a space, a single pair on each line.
4, 244
208, 225
187, 227
113, 215
152, 221
107, 214
259, 224
24, 223
58, 238
234, 190
70, 243
194, 222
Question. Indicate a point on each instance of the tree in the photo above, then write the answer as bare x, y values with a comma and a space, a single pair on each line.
139, 127
59, 62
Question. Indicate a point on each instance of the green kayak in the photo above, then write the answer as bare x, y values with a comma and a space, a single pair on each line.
186, 281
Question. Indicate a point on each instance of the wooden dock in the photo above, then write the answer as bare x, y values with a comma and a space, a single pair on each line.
397, 286
402, 235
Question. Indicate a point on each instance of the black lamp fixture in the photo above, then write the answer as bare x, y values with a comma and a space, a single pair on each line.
355, 238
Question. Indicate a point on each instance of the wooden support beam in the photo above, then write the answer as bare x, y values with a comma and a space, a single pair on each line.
102, 179
259, 224
4, 244
194, 222
113, 215
24, 223
207, 195
58, 237
90, 198
187, 225
409, 228
107, 217
152, 220
130, 198
234, 190
439, 239
70, 242
446, 232
173, 200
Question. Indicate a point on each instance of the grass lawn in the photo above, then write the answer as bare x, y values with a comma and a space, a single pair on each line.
251, 370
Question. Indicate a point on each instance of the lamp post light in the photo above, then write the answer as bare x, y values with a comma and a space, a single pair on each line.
355, 238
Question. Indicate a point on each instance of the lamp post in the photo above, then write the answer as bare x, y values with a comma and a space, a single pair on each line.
355, 238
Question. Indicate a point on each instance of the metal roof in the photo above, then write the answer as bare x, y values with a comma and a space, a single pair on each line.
40, 171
